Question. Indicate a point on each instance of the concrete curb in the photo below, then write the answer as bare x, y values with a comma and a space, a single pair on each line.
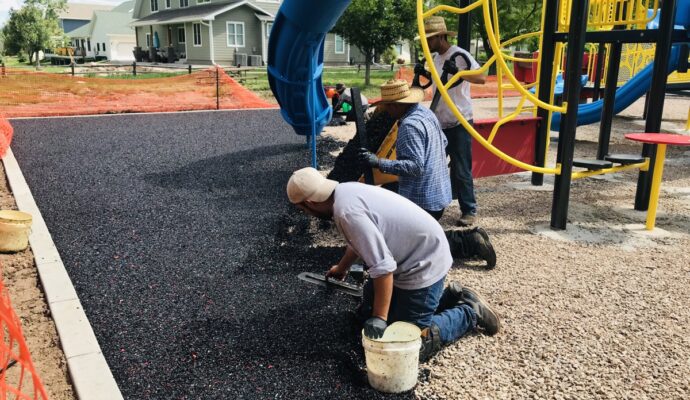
91, 375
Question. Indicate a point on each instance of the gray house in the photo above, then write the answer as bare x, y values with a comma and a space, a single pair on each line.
229, 32
77, 15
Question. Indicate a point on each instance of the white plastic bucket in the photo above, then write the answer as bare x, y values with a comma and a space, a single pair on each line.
393, 360
14, 230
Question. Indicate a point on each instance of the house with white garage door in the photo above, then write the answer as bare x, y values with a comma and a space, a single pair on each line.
226, 32
108, 35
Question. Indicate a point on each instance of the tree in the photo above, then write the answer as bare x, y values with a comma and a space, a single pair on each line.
33, 27
375, 25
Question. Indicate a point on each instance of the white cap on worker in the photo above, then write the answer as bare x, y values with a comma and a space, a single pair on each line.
309, 184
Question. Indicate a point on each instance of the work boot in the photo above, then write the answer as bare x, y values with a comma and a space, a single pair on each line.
487, 319
471, 243
431, 343
468, 220
451, 296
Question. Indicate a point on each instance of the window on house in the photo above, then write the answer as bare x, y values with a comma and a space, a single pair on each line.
339, 45
269, 26
154, 5
235, 34
398, 47
148, 40
88, 44
181, 37
184, 3
98, 47
197, 34
168, 3
103, 46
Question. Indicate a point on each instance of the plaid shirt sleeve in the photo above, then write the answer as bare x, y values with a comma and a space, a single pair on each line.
410, 152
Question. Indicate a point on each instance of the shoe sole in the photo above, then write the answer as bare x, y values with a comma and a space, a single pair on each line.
485, 236
465, 225
482, 300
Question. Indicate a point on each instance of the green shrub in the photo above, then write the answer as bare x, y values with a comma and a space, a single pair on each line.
389, 56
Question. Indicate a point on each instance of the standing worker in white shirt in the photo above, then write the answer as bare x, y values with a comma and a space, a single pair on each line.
459, 140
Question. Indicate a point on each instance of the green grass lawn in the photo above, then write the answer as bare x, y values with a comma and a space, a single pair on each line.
13, 62
257, 80
140, 75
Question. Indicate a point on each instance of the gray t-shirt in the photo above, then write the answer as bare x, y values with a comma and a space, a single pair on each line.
392, 234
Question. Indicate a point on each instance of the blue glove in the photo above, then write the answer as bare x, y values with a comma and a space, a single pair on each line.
374, 327
367, 158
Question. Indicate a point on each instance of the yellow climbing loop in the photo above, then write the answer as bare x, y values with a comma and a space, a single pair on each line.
491, 24
602, 15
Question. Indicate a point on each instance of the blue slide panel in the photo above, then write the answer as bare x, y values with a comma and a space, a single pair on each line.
683, 13
295, 61
625, 95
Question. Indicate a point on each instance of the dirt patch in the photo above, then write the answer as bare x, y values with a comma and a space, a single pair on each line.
36, 94
21, 279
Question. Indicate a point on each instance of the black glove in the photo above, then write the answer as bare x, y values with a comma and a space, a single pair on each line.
374, 327
419, 70
367, 158
450, 67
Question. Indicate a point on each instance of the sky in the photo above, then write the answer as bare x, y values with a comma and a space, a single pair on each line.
5, 6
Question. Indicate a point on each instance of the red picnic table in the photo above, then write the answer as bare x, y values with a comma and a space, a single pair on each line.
661, 140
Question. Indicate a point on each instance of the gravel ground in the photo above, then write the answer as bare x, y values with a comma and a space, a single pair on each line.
598, 311
185, 257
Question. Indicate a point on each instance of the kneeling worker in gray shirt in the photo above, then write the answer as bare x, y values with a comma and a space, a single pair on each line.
408, 257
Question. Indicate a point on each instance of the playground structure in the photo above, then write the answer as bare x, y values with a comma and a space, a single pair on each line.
567, 25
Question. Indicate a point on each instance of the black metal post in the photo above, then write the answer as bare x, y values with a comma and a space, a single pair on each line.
217, 89
134, 68
683, 64
566, 138
548, 48
72, 68
599, 71
464, 27
657, 93
361, 130
608, 109
189, 69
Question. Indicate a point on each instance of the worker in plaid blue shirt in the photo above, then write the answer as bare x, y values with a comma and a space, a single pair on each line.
421, 165
420, 148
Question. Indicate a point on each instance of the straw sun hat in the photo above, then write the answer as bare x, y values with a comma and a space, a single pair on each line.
436, 26
399, 91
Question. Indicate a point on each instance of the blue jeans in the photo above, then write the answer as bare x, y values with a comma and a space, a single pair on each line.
460, 151
420, 307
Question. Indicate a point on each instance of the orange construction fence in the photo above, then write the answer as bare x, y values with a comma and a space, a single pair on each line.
39, 94
18, 377
5, 135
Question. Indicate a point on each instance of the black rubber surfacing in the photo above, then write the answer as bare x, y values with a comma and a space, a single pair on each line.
177, 234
